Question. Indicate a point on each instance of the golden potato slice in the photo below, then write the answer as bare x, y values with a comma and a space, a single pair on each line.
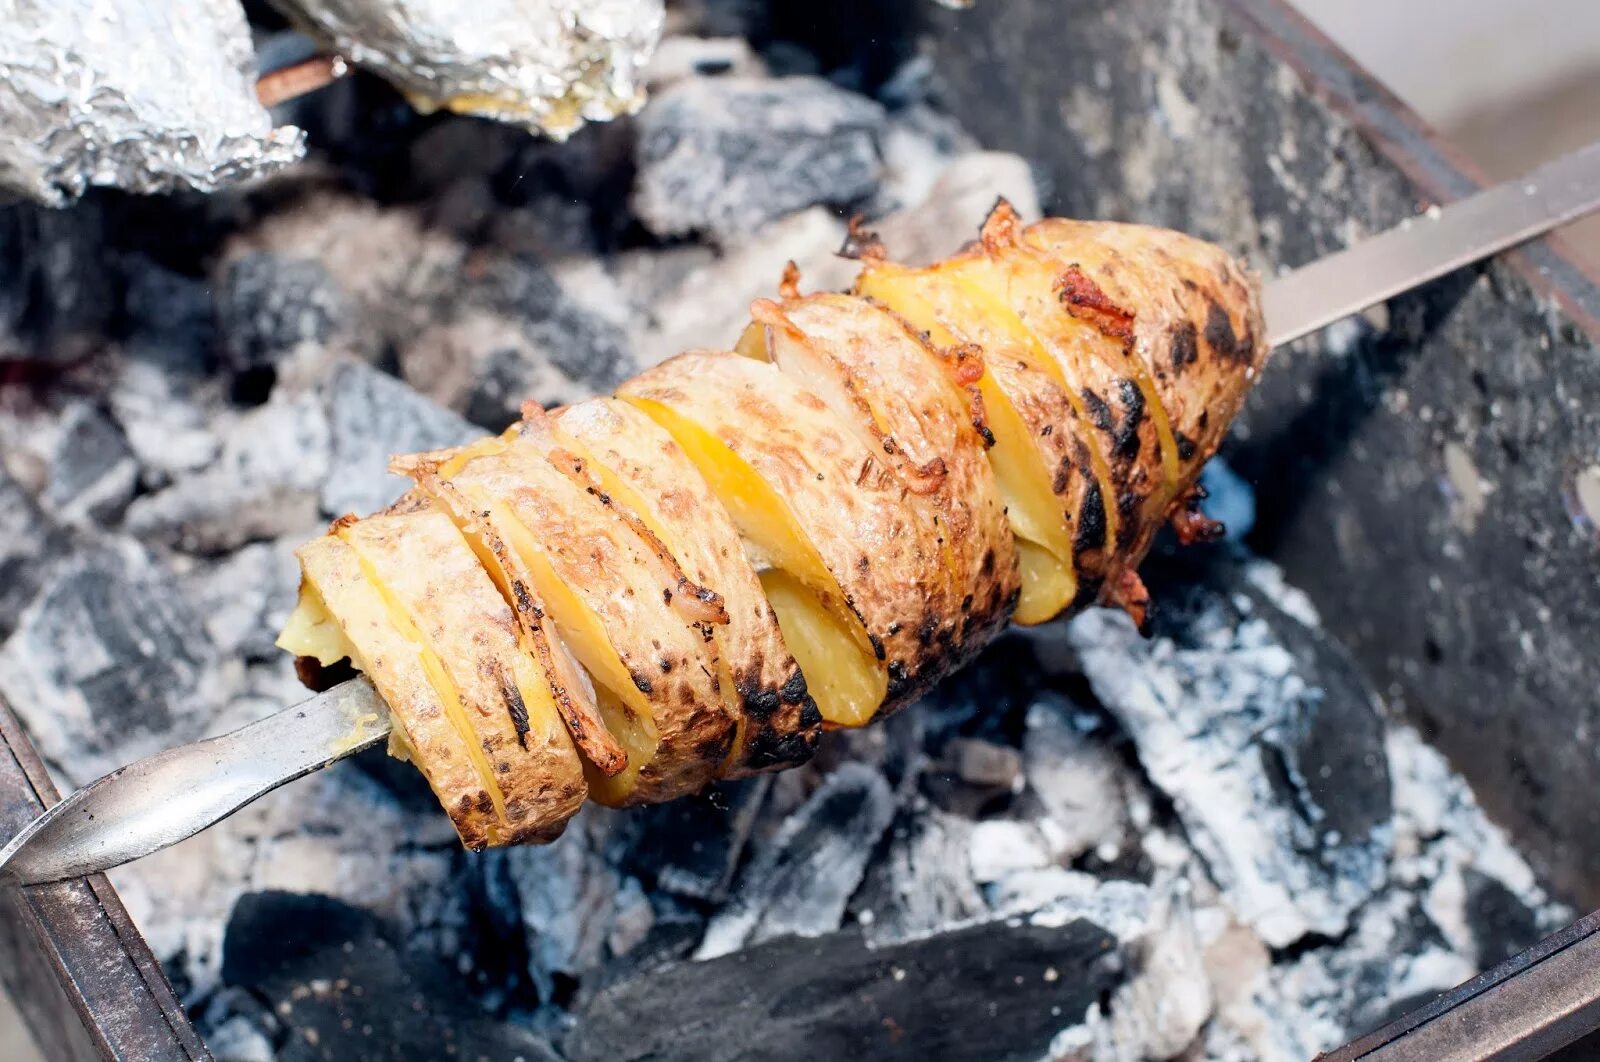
1097, 366
654, 671
335, 592
1192, 309
495, 695
1052, 475
882, 563
644, 471
887, 383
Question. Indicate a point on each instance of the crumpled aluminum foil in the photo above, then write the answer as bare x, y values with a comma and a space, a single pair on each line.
146, 95
549, 65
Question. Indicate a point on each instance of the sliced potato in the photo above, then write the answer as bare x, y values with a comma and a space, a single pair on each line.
847, 679
897, 393
654, 672
334, 590
496, 696
1196, 322
1052, 481
817, 493
644, 471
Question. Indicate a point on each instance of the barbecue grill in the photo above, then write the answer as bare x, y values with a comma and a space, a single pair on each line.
1368, 447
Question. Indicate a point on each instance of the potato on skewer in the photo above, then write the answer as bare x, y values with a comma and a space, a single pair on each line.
696, 575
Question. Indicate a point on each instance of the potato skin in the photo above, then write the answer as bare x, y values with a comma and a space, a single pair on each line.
896, 391
427, 565
596, 555
1195, 316
331, 567
780, 723
884, 555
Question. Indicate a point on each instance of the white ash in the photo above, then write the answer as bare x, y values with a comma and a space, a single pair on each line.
800, 884
1207, 721
725, 156
264, 483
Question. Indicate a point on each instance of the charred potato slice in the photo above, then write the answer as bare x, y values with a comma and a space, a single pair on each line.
897, 393
643, 470
496, 696
817, 504
1052, 479
1190, 306
654, 672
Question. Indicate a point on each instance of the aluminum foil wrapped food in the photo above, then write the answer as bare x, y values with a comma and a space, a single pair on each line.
148, 97
549, 65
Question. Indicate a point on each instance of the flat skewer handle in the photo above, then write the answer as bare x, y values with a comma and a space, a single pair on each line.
159, 801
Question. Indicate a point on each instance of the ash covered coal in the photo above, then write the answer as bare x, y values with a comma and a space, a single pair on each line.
1213, 843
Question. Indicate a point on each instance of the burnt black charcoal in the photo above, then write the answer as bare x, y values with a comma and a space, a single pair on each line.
170, 319
800, 881
691, 846
992, 992
727, 155
923, 882
268, 305
265, 483
1501, 922
110, 662
374, 416
92, 471
29, 544
336, 978
56, 294
1238, 684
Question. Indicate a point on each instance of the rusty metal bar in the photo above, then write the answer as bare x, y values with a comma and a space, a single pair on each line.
80, 973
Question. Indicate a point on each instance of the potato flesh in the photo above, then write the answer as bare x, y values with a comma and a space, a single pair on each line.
1044, 541
855, 684
439, 677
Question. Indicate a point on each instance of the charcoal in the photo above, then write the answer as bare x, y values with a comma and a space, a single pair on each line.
711, 304
1271, 754
110, 662
373, 417
800, 882
171, 318
348, 990
1078, 781
268, 305
725, 156
245, 597
56, 296
338, 834
519, 335
30, 544
993, 992
166, 412
923, 883
568, 897
1003, 847
691, 846
237, 1027
1160, 1009
92, 471
264, 483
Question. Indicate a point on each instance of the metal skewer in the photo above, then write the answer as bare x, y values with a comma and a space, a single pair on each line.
159, 801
